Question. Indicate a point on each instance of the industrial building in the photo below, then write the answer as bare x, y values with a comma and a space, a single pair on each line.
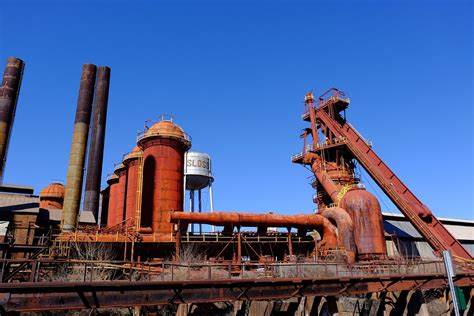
132, 244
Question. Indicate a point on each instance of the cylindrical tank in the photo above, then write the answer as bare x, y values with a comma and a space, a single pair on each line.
52, 196
112, 181
163, 145
96, 148
9, 91
121, 193
364, 209
131, 162
197, 170
75, 171
104, 206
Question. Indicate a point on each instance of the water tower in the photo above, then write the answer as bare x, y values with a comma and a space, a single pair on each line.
198, 176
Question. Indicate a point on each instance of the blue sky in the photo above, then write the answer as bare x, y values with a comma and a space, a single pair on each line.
234, 76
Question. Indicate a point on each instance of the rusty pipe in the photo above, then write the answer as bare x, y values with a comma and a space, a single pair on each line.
313, 221
345, 229
96, 148
75, 172
9, 92
323, 177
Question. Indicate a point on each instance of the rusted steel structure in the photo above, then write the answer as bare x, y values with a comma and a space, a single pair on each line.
75, 172
132, 162
112, 216
239, 219
9, 92
163, 145
364, 208
173, 283
345, 227
97, 135
52, 196
332, 161
120, 192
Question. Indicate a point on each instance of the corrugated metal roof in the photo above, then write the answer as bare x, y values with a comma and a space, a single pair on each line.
19, 203
399, 225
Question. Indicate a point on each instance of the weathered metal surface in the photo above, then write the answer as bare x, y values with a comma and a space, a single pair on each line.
120, 192
131, 162
75, 172
163, 147
345, 229
112, 181
87, 295
9, 92
52, 196
419, 215
329, 120
368, 223
315, 221
96, 148
197, 170
322, 176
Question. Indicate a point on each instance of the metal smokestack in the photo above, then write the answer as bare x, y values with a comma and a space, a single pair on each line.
96, 149
75, 171
9, 91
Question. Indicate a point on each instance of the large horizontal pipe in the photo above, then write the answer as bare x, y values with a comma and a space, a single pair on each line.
9, 91
323, 178
311, 221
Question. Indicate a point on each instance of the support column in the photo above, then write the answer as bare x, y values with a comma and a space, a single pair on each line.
290, 244
178, 241
200, 209
239, 246
211, 202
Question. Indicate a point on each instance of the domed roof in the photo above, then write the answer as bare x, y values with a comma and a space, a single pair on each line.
134, 154
112, 178
119, 168
166, 129
53, 190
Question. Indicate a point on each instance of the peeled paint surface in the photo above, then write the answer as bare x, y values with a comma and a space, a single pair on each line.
364, 209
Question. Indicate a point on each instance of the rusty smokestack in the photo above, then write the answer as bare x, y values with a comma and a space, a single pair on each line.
96, 148
75, 172
9, 92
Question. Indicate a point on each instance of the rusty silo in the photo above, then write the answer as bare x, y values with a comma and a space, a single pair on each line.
132, 162
364, 209
52, 196
164, 145
121, 192
9, 91
112, 181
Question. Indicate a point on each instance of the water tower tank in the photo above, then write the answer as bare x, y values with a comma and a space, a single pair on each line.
197, 170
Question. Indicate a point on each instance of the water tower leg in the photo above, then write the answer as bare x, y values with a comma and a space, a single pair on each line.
211, 201
184, 193
200, 209
191, 204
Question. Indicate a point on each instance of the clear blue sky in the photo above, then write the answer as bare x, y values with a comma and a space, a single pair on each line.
235, 75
